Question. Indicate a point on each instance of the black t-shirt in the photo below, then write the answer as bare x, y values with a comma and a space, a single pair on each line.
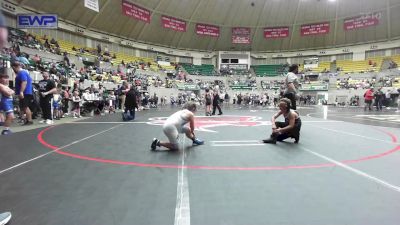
130, 101
216, 99
45, 86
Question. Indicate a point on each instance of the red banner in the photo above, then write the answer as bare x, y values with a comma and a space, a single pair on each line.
241, 35
173, 23
276, 32
207, 30
314, 29
134, 11
370, 19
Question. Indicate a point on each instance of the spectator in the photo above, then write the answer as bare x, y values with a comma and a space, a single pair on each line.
130, 105
368, 96
111, 102
122, 93
65, 98
98, 49
398, 101
379, 96
76, 105
3, 31
53, 69
53, 41
23, 87
66, 59
387, 98
47, 88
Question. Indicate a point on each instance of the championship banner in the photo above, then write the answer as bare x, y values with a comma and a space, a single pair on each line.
241, 35
134, 11
370, 19
314, 29
173, 23
207, 30
276, 32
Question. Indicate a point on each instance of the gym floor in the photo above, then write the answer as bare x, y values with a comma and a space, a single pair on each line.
100, 170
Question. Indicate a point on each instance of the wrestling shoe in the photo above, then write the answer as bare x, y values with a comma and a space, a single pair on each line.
154, 144
6, 132
197, 141
270, 141
4, 218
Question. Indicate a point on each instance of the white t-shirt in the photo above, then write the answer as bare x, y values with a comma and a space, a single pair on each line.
291, 78
56, 97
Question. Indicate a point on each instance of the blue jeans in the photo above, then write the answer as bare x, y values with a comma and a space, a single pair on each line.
129, 115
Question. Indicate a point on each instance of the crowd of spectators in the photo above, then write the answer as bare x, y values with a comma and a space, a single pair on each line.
350, 83
247, 80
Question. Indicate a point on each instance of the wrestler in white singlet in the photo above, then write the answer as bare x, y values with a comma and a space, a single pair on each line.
175, 124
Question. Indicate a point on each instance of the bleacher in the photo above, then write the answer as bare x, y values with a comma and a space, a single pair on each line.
204, 69
268, 70
322, 66
396, 59
361, 66
66, 46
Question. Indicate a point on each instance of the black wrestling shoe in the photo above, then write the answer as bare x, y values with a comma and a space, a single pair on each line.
270, 141
154, 144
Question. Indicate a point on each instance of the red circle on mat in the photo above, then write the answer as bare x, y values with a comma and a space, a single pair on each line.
175, 166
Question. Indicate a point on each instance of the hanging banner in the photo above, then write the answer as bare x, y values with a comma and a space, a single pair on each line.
370, 19
173, 23
241, 35
92, 4
134, 11
314, 29
207, 30
276, 32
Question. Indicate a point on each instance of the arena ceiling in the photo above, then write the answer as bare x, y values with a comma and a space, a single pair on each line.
226, 14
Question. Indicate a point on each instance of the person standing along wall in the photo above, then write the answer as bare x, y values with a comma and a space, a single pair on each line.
47, 88
379, 97
130, 105
368, 96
